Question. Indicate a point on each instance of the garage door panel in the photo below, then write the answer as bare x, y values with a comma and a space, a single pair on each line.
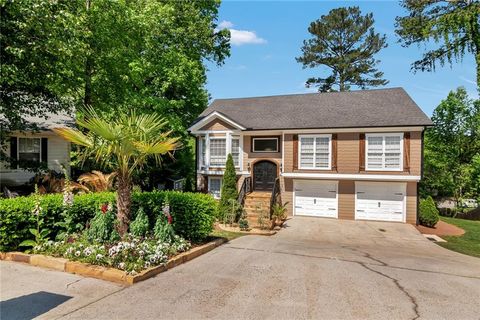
316, 198
380, 201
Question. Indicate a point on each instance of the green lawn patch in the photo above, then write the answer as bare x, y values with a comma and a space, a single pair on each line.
229, 235
469, 243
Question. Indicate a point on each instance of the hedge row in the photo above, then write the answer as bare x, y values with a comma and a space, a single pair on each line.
193, 213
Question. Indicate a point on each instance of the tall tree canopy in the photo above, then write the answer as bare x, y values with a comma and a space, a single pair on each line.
453, 25
345, 42
110, 55
452, 147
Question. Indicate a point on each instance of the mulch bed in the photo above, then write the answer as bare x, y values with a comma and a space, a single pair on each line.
442, 229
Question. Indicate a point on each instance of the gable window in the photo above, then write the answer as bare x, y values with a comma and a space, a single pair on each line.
236, 151
265, 144
315, 152
218, 152
215, 186
29, 149
384, 151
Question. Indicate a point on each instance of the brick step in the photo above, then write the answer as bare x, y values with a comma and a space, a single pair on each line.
255, 205
254, 201
257, 196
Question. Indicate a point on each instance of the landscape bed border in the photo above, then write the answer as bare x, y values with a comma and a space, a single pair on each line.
107, 273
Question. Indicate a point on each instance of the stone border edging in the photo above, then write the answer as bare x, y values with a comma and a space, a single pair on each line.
106, 273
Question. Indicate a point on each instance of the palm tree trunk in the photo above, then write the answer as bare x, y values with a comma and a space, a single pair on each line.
124, 202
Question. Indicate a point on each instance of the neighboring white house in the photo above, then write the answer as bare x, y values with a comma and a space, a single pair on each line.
41, 146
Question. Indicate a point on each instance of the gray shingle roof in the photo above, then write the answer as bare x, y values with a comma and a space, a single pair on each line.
353, 109
50, 120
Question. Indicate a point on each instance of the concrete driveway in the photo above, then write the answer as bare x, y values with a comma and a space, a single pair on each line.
315, 268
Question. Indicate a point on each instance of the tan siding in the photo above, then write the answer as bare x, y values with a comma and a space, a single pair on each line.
415, 153
252, 157
218, 125
346, 199
288, 153
411, 202
348, 153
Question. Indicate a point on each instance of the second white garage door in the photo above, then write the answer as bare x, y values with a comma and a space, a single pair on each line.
316, 198
383, 201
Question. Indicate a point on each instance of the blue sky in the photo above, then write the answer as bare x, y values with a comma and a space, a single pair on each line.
268, 35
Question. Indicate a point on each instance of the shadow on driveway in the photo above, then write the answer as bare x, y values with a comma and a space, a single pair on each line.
31, 305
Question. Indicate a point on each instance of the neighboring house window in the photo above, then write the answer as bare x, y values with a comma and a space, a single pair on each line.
218, 147
384, 151
215, 186
29, 149
236, 151
315, 152
265, 144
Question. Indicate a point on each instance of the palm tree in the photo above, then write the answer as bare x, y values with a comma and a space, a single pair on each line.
124, 143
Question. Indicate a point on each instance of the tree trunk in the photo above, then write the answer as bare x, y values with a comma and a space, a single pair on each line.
87, 98
124, 202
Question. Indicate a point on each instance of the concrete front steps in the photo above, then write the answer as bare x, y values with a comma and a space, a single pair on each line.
256, 204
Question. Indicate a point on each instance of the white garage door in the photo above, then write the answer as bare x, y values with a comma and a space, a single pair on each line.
380, 201
316, 198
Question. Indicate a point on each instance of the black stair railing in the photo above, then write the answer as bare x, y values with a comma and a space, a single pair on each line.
245, 189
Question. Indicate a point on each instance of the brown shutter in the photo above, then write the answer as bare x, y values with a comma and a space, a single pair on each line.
334, 151
295, 152
44, 150
13, 152
406, 152
362, 152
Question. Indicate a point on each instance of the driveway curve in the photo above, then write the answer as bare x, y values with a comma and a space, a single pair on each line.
314, 268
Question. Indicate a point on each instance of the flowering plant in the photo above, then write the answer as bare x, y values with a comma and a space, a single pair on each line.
132, 254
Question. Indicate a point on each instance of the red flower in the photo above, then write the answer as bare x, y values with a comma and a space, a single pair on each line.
169, 219
104, 208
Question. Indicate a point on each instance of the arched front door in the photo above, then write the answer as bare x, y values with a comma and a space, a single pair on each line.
264, 175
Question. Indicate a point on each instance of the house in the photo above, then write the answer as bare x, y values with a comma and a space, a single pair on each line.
40, 146
344, 155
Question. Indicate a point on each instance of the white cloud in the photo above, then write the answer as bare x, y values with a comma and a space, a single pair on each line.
241, 37
225, 24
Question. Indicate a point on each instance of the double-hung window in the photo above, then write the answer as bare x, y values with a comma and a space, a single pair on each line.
29, 149
218, 152
203, 151
215, 186
384, 151
236, 151
315, 152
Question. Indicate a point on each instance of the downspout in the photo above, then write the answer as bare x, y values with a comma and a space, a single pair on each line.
196, 161
421, 176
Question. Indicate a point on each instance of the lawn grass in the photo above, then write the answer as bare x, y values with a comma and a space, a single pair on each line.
469, 243
229, 235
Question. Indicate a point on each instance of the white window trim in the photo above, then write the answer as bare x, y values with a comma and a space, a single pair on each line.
229, 137
226, 150
209, 188
383, 135
329, 136
18, 147
270, 138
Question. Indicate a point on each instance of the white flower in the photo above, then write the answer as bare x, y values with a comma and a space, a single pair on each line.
77, 253
99, 256
121, 265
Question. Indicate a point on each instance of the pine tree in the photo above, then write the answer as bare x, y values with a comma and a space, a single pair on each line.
229, 185
345, 42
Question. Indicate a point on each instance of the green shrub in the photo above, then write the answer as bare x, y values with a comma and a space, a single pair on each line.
102, 227
163, 230
193, 214
428, 212
229, 186
140, 226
